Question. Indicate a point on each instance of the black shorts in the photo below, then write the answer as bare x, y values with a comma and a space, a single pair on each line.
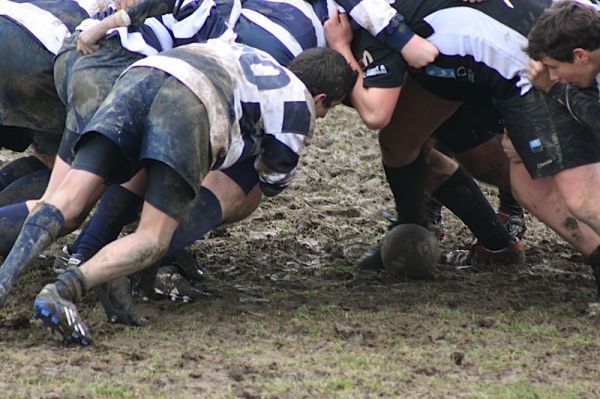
546, 136
471, 125
150, 115
166, 189
84, 81
28, 98
382, 67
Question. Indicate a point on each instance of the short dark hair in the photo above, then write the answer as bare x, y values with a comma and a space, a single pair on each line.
563, 27
323, 70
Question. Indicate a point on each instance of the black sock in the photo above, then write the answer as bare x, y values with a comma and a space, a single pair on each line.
117, 208
463, 197
408, 186
25, 188
71, 284
42, 227
19, 168
508, 203
204, 214
594, 261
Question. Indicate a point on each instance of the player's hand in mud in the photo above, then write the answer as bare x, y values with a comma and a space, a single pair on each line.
338, 31
539, 76
419, 52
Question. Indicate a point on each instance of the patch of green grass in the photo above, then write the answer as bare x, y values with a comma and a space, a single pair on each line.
528, 329
524, 389
105, 389
497, 359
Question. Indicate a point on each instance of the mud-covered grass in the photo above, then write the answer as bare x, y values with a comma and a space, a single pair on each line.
291, 316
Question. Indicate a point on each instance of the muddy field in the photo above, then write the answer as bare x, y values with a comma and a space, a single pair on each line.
290, 315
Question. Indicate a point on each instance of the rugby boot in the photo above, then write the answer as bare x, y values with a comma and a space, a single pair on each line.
514, 254
170, 282
515, 224
187, 264
64, 259
117, 301
55, 307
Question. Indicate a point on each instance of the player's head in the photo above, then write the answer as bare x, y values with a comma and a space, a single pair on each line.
326, 74
566, 38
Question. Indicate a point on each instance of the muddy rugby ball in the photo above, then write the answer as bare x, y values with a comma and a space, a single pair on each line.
410, 250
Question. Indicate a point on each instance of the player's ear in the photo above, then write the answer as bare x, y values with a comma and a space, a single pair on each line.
319, 98
581, 56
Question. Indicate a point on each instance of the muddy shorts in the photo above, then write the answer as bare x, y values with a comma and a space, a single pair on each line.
29, 105
84, 81
545, 136
472, 124
150, 115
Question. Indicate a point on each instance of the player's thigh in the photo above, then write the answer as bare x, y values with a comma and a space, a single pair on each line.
418, 114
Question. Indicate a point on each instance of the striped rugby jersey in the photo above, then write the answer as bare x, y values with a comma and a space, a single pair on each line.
158, 25
284, 28
50, 21
267, 110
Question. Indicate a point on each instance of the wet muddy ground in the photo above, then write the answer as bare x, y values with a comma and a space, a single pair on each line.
290, 315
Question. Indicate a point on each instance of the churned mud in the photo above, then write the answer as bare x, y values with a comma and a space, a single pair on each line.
289, 315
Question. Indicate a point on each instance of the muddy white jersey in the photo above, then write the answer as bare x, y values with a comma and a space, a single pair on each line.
258, 107
49, 21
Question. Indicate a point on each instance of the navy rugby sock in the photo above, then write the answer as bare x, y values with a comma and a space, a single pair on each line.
19, 168
464, 198
204, 214
42, 227
117, 208
25, 188
11, 222
408, 186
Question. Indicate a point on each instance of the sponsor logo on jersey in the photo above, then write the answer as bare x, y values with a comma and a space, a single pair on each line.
375, 71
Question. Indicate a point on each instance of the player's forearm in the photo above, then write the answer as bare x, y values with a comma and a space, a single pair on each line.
143, 9
583, 104
381, 20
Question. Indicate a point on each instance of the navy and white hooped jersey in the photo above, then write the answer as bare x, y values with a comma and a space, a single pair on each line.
284, 28
260, 107
158, 25
50, 21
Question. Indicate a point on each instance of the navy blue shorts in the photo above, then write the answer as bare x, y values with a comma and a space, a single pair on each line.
84, 81
150, 115
29, 105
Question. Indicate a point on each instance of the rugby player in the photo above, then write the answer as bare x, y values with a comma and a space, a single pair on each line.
485, 58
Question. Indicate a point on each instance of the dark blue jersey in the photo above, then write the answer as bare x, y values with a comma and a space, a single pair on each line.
49, 21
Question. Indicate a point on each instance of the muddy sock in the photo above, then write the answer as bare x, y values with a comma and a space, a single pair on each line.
71, 284
508, 203
117, 208
463, 197
408, 186
25, 188
42, 227
204, 214
11, 222
594, 261
19, 168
